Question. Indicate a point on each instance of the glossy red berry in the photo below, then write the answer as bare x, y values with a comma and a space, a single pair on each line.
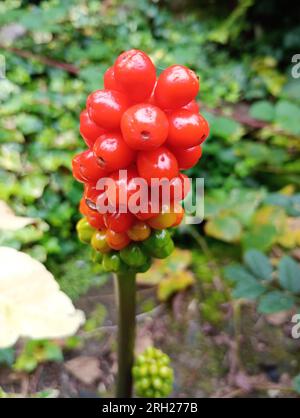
76, 168
112, 152
187, 158
179, 187
106, 108
135, 73
192, 107
96, 220
186, 129
144, 127
83, 207
87, 167
118, 222
95, 198
109, 80
176, 86
89, 130
159, 163
147, 211
122, 186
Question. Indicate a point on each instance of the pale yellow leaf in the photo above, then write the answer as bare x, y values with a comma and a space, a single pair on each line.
31, 304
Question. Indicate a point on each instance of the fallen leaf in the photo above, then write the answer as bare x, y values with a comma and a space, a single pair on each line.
179, 260
31, 303
85, 369
174, 283
9, 221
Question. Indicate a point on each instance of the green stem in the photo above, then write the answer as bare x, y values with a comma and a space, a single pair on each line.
126, 296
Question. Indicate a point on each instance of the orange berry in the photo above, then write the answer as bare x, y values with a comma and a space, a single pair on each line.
139, 231
117, 240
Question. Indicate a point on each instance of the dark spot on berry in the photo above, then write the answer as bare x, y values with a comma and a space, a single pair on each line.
101, 162
145, 135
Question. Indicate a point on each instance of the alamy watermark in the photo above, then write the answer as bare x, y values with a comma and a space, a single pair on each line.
296, 328
296, 68
135, 195
2, 67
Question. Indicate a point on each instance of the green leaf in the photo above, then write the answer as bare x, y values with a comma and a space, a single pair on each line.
260, 237
262, 110
225, 228
296, 383
226, 128
248, 289
275, 301
28, 124
7, 356
289, 274
258, 264
288, 116
53, 352
237, 272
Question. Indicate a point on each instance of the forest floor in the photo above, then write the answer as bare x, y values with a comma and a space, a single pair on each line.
248, 356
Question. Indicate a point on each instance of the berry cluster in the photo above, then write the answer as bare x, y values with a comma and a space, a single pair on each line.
153, 377
152, 128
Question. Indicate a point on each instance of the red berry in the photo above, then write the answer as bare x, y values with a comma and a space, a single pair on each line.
186, 129
159, 163
172, 190
118, 222
109, 80
96, 220
179, 187
117, 240
187, 158
106, 107
147, 212
121, 187
192, 106
88, 129
83, 207
76, 161
95, 199
176, 86
112, 152
88, 168
144, 127
135, 73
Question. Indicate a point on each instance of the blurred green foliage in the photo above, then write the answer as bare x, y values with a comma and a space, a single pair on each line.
275, 290
242, 52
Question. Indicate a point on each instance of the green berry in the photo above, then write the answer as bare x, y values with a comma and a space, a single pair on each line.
84, 231
133, 255
153, 378
111, 262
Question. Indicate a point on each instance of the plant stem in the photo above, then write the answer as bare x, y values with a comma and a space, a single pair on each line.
126, 298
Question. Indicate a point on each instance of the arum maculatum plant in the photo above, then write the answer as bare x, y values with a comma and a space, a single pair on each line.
140, 131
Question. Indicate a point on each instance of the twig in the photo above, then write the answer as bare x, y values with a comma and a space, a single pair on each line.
70, 68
